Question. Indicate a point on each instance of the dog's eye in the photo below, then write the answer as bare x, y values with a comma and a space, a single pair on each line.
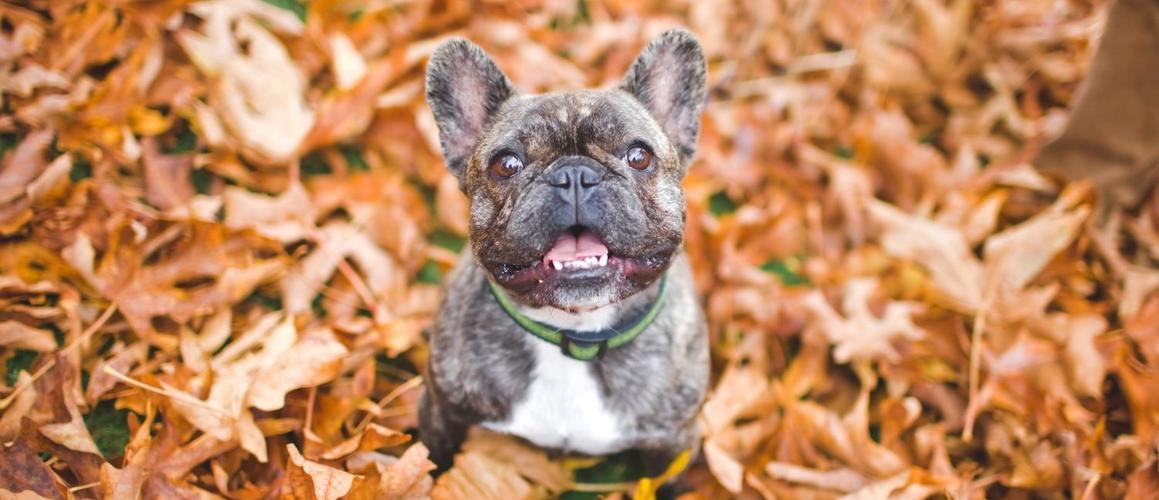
505, 165
638, 158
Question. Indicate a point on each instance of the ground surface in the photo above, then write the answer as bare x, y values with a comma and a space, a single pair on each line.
223, 226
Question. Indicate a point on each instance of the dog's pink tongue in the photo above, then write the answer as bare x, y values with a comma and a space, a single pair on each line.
570, 247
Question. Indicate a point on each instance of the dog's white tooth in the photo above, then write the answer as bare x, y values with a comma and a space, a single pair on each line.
604, 260
557, 265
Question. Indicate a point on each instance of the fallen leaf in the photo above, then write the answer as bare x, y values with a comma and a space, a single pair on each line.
943, 251
258, 92
15, 335
862, 335
373, 438
23, 471
475, 475
724, 467
316, 481
530, 462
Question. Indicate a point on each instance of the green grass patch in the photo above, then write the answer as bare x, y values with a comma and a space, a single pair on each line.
202, 180
185, 142
313, 164
21, 361
295, 6
440, 237
354, 158
81, 169
787, 270
720, 204
264, 301
7, 141
430, 273
109, 427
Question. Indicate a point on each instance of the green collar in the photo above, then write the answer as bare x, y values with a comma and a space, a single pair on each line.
584, 346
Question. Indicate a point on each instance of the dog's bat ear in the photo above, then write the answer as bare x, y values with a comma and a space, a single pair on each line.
464, 89
669, 79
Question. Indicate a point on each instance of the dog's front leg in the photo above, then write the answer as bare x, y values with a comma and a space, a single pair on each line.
659, 454
439, 430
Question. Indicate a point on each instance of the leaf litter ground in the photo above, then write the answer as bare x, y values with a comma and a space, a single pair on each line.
223, 225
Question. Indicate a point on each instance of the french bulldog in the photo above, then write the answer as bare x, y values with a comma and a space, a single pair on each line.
572, 320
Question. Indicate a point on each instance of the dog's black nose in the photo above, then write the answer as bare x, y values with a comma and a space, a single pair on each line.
576, 181
576, 177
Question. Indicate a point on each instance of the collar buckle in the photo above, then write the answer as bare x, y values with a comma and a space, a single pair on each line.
566, 344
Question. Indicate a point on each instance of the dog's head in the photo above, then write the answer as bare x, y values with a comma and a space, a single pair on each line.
576, 198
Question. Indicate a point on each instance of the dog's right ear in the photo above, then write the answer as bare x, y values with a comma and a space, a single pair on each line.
464, 89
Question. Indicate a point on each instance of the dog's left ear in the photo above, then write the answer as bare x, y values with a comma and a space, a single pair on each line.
669, 79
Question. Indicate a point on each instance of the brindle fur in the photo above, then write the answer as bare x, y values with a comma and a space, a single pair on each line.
480, 361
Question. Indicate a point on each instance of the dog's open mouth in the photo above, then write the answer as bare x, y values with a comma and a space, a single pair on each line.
579, 256
578, 249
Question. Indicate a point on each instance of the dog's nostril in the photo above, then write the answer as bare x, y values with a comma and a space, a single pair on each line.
589, 178
561, 179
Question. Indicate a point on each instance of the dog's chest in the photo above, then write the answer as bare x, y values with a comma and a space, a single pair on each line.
563, 407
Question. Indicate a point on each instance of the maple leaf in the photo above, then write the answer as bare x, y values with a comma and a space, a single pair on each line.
942, 250
259, 92
862, 335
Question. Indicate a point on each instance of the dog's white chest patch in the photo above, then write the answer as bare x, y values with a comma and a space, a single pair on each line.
563, 408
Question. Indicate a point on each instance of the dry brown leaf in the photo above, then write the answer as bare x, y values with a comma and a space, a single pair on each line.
258, 91
337, 242
23, 471
943, 251
243, 185
126, 482
842, 480
405, 478
528, 461
1137, 286
166, 176
475, 475
724, 467
315, 481
15, 335
347, 64
287, 217
1018, 254
861, 334
373, 438
73, 433
314, 359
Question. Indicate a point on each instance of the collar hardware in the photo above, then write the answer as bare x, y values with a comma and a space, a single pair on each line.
586, 345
